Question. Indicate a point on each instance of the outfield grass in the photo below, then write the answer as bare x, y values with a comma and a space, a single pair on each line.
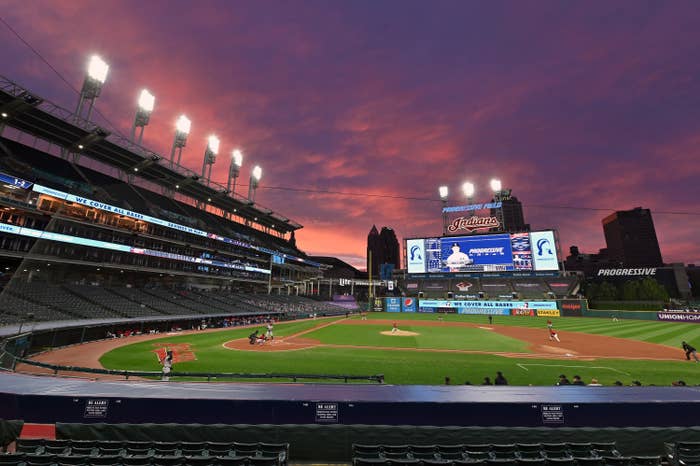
423, 367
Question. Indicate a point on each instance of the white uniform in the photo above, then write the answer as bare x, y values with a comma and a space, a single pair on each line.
458, 259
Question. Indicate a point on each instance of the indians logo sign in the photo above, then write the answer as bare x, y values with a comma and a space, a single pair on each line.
473, 223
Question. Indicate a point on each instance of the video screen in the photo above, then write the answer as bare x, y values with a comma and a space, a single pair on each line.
501, 252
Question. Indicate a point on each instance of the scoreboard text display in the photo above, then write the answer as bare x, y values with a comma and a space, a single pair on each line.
502, 252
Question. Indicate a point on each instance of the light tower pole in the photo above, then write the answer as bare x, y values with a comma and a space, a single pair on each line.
92, 86
182, 129
210, 157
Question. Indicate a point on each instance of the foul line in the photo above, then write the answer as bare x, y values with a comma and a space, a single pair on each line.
522, 366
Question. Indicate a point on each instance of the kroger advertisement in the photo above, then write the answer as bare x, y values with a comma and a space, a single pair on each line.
483, 307
535, 251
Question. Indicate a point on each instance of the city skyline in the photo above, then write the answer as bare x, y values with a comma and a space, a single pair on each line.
570, 105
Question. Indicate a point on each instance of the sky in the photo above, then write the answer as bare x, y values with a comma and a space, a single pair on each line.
580, 108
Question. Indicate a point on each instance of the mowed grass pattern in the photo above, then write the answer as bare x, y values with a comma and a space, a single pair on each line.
455, 338
424, 367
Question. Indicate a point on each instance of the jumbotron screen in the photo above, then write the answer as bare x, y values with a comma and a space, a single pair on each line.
502, 252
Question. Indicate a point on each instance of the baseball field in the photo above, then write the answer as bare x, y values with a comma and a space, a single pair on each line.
425, 349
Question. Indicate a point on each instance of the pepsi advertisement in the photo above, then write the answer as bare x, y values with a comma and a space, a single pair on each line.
503, 252
408, 305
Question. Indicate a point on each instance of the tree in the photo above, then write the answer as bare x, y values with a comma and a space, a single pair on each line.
630, 290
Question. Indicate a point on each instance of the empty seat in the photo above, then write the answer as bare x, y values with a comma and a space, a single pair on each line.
370, 462
452, 452
589, 461
391, 455
504, 451
478, 455
530, 450
560, 461
168, 460
140, 460
192, 448
468, 462
201, 461
366, 451
39, 459
30, 445
105, 460
556, 451
502, 462
605, 448
404, 462
646, 461
617, 460
531, 461
72, 460
581, 450
12, 459
395, 449
483, 447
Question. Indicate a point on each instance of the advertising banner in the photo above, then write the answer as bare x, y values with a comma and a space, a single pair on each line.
548, 313
523, 312
472, 311
393, 304
552, 305
415, 255
426, 309
693, 317
378, 305
408, 305
544, 250
572, 307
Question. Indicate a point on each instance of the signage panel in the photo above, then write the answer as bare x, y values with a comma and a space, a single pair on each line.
544, 251
393, 304
463, 256
408, 305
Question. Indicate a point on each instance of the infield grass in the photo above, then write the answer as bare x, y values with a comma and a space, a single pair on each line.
405, 365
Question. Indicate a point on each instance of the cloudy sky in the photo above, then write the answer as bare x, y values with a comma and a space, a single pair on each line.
576, 106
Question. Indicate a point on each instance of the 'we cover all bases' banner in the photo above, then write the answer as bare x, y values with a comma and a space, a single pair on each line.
541, 308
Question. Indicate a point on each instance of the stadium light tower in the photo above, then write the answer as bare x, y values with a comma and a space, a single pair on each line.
255, 176
468, 190
210, 156
143, 114
182, 129
496, 185
234, 170
95, 78
444, 192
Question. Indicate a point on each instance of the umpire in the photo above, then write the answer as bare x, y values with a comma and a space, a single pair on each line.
690, 350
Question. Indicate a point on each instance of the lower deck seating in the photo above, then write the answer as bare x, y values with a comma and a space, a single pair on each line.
516, 454
41, 452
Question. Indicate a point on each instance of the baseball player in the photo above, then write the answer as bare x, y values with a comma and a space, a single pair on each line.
553, 335
268, 334
395, 328
549, 324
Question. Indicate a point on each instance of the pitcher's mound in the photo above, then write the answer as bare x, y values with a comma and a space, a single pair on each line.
400, 333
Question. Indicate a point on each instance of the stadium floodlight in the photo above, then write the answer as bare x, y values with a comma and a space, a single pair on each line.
146, 101
143, 113
92, 85
468, 190
98, 69
210, 156
182, 129
234, 170
255, 176
495, 185
444, 191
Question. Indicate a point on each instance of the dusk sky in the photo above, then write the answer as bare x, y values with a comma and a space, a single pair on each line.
593, 105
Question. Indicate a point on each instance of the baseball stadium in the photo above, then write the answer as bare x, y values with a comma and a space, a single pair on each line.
153, 317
